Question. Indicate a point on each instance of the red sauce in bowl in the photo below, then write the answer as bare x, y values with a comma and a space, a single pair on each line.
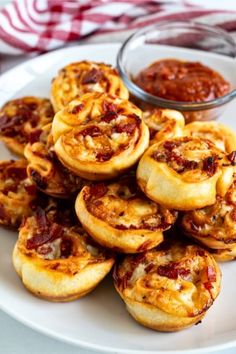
182, 81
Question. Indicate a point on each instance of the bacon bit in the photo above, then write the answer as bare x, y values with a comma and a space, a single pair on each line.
109, 107
126, 279
209, 165
211, 275
232, 158
208, 285
30, 189
37, 240
104, 156
38, 179
171, 271
92, 77
34, 136
149, 267
91, 131
41, 219
98, 190
32, 106
170, 145
233, 215
109, 116
16, 172
190, 164
128, 128
66, 247
56, 231
77, 109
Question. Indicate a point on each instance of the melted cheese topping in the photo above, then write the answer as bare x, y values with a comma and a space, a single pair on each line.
194, 158
181, 280
123, 206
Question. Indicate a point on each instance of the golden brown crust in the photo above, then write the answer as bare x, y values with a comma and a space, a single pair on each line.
120, 217
214, 226
170, 287
45, 170
58, 262
223, 137
184, 173
21, 121
82, 77
17, 193
164, 124
99, 136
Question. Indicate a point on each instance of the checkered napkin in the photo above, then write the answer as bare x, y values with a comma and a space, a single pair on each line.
43, 25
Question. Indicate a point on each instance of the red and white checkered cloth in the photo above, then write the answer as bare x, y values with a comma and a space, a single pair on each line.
43, 25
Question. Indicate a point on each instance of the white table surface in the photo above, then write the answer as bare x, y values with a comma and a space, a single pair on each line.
15, 338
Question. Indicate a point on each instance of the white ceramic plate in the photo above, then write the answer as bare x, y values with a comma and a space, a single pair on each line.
99, 321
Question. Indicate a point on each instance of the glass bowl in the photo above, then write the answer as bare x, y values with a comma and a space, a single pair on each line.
187, 41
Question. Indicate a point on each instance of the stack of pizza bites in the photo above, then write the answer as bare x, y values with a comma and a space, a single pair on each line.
100, 184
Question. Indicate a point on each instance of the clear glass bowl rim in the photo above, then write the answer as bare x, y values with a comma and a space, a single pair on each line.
161, 102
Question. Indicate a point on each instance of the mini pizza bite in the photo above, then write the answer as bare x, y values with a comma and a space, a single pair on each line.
164, 124
46, 171
57, 261
81, 77
17, 193
170, 287
185, 173
223, 137
21, 121
214, 226
120, 217
99, 136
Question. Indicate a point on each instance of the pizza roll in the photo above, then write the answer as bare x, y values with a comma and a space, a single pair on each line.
164, 124
184, 173
21, 121
168, 288
224, 255
223, 137
215, 225
120, 217
78, 78
58, 262
17, 193
99, 136
46, 171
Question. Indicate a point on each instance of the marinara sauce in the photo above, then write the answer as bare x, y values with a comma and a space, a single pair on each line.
182, 81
